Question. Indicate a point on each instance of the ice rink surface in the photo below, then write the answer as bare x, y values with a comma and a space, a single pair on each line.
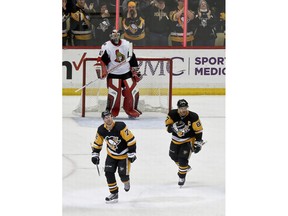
154, 189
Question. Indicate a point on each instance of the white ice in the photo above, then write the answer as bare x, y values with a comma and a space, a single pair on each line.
154, 189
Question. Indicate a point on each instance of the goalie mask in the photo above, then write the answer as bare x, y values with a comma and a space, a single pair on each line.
115, 36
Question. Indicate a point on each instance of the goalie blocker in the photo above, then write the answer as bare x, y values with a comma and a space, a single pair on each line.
100, 68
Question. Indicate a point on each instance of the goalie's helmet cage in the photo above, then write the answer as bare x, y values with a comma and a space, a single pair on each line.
182, 103
115, 36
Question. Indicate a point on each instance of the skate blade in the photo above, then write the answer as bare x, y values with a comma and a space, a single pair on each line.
112, 201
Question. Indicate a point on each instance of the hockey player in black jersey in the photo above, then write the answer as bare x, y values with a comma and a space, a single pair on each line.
186, 130
121, 152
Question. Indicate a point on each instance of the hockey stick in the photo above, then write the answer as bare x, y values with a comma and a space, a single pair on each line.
98, 170
112, 69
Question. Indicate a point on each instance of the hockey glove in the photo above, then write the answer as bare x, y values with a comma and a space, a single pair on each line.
136, 74
131, 157
95, 158
101, 70
198, 146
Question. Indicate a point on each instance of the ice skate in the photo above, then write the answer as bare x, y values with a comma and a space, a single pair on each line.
127, 186
112, 198
181, 182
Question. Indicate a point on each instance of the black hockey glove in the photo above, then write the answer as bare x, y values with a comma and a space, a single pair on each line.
131, 157
95, 158
198, 146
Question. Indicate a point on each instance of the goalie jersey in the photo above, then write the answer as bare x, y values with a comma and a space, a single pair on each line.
112, 55
119, 140
189, 132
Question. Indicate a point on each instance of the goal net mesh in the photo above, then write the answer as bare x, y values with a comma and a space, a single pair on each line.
155, 88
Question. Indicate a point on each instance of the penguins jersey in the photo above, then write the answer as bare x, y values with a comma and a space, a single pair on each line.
119, 140
191, 131
112, 55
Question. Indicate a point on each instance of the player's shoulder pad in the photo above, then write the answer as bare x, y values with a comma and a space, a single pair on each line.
101, 128
120, 125
106, 44
173, 112
193, 115
124, 41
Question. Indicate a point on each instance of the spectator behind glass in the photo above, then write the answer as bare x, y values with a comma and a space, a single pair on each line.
141, 5
205, 23
80, 25
158, 24
177, 25
65, 23
104, 24
90, 6
134, 25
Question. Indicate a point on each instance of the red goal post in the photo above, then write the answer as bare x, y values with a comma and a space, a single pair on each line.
155, 88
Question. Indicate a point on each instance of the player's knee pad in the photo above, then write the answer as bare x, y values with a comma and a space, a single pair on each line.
124, 167
110, 176
173, 156
173, 151
114, 96
185, 151
124, 178
131, 98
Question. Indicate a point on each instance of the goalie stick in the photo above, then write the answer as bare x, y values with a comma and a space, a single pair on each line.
112, 69
130, 52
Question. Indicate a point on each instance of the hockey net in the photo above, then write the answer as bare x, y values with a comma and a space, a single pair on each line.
155, 88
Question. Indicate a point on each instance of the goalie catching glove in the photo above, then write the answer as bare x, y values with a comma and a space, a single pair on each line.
136, 74
101, 69
131, 156
95, 158
198, 146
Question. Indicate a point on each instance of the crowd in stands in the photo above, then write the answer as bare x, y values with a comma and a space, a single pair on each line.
143, 22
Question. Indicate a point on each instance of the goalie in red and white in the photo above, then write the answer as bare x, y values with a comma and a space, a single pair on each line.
122, 72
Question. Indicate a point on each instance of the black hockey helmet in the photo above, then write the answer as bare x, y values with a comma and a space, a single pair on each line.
182, 103
105, 113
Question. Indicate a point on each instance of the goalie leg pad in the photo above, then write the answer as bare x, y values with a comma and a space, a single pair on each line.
131, 98
114, 96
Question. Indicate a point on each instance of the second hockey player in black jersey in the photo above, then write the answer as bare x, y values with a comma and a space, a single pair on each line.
186, 130
121, 152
